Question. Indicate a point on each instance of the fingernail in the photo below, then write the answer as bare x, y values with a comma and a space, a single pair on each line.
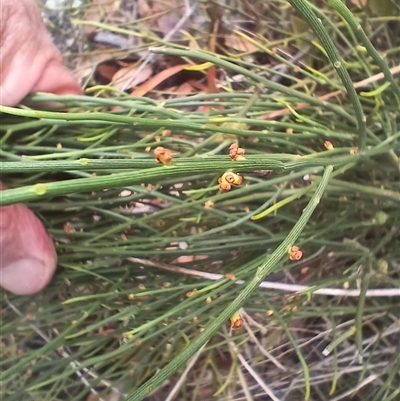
25, 276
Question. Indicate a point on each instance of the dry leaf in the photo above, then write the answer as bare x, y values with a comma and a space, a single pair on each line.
88, 64
164, 14
197, 85
239, 44
97, 10
189, 258
144, 9
359, 3
157, 79
105, 72
129, 77
183, 90
168, 22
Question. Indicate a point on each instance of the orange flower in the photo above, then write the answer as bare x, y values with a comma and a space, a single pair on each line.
224, 186
295, 253
236, 321
228, 179
163, 155
236, 153
232, 178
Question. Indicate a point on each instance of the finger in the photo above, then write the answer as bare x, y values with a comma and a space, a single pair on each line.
27, 258
49, 76
57, 79
29, 59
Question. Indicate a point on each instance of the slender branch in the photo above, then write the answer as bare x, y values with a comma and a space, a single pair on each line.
270, 285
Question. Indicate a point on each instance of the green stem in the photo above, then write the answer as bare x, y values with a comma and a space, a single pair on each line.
266, 268
220, 61
213, 164
341, 8
305, 10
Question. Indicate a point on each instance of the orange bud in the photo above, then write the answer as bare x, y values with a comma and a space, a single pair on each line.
232, 178
295, 253
163, 155
224, 186
236, 153
236, 321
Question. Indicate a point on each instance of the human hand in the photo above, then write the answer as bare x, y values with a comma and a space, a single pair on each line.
29, 60
27, 255
29, 63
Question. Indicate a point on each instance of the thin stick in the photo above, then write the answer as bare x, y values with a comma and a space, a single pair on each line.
334, 292
258, 344
348, 394
253, 373
189, 366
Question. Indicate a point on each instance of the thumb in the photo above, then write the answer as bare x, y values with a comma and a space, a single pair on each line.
27, 255
57, 79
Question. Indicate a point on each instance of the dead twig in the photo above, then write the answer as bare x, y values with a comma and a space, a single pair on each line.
335, 292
